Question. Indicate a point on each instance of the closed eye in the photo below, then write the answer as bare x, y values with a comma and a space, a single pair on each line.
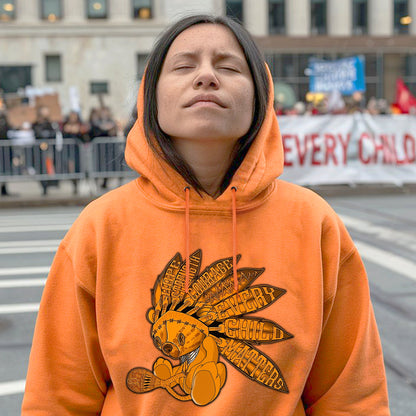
182, 67
228, 68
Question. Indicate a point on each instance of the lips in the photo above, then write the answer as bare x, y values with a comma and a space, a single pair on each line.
207, 98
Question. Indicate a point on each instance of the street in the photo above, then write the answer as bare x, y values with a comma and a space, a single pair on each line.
382, 226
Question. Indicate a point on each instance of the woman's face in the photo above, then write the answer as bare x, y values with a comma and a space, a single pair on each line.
205, 90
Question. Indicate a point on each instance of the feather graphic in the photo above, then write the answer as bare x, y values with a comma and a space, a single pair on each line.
178, 287
162, 290
209, 277
255, 330
250, 300
253, 363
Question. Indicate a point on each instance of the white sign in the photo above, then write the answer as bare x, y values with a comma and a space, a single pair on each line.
348, 149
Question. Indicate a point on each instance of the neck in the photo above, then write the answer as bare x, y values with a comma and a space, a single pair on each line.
209, 159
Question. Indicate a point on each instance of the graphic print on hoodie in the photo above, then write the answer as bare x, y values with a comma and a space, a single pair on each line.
207, 322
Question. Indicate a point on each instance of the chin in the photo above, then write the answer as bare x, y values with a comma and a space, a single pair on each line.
209, 133
199, 136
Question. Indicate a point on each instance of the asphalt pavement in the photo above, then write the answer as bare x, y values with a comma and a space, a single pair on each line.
381, 220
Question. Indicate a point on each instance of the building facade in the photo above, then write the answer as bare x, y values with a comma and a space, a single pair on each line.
98, 47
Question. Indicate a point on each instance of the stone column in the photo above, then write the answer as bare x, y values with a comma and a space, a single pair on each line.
256, 17
27, 11
298, 17
120, 10
74, 10
339, 18
157, 10
412, 14
380, 17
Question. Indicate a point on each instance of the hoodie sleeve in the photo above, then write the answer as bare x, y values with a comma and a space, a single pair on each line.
66, 374
347, 376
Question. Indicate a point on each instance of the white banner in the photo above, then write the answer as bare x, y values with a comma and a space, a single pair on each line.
349, 149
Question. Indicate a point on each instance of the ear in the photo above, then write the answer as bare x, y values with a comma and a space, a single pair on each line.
151, 315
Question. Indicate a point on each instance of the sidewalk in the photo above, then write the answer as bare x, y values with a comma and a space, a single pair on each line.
30, 193
23, 194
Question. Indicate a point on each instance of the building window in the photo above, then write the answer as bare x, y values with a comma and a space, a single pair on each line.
51, 10
98, 87
360, 17
277, 17
401, 17
410, 66
7, 10
142, 9
14, 77
53, 68
97, 9
410, 72
234, 8
318, 17
141, 64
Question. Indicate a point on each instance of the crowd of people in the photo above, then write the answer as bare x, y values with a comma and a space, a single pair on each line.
335, 103
100, 124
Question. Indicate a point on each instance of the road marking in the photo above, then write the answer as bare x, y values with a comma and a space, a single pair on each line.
12, 387
36, 227
12, 283
19, 308
18, 219
22, 250
380, 232
28, 243
38, 221
387, 260
17, 271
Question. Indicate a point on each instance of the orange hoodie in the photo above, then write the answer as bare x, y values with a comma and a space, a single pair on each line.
119, 332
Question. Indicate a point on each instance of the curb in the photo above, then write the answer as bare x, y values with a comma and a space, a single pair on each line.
363, 190
16, 202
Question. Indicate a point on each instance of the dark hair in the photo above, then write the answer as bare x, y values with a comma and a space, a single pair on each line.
156, 59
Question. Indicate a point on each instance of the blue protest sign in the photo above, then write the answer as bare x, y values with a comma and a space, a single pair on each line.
346, 75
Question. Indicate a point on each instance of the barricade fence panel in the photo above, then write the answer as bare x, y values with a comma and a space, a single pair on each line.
68, 159
108, 158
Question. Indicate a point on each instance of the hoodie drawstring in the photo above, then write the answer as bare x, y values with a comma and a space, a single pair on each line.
187, 237
187, 254
234, 210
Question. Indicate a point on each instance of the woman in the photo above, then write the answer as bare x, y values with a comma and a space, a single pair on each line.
146, 311
74, 128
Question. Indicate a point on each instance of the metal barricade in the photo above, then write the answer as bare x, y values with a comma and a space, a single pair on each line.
107, 159
69, 159
43, 160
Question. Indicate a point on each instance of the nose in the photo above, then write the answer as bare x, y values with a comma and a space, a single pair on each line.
167, 348
206, 78
170, 349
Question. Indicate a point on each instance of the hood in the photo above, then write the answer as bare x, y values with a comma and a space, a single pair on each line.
253, 179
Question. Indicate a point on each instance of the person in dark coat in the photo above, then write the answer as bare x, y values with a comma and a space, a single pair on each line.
4, 128
44, 129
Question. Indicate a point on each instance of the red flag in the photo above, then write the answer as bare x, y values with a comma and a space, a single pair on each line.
404, 98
